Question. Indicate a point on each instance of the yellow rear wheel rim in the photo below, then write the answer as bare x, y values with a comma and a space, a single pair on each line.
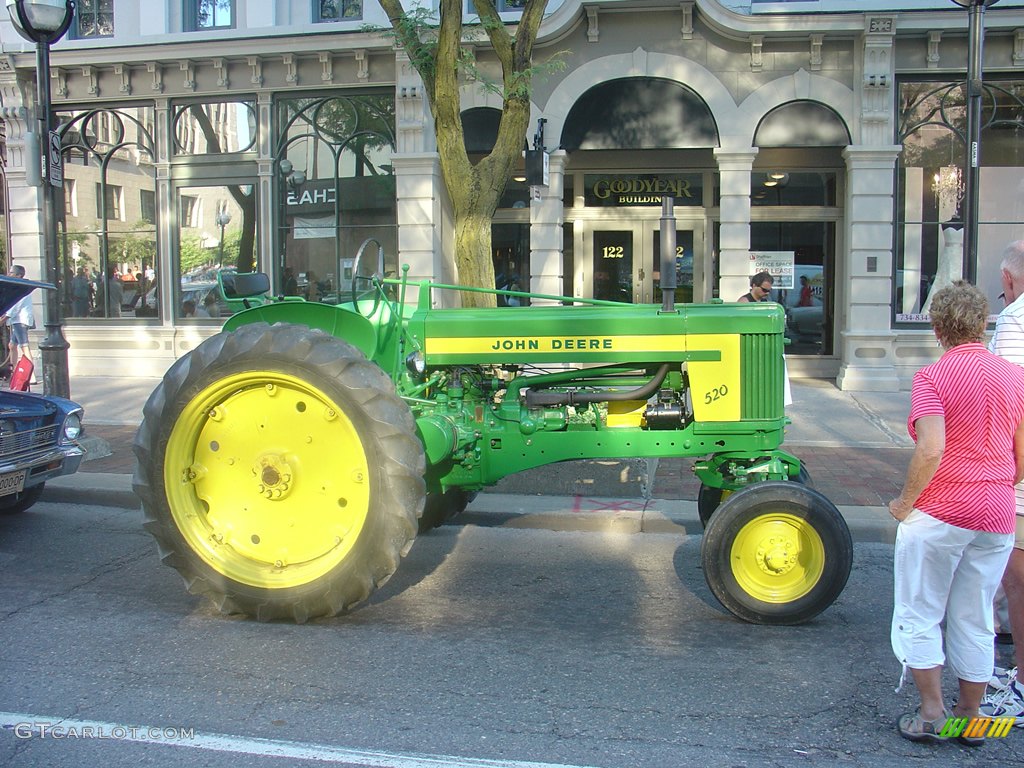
267, 479
777, 558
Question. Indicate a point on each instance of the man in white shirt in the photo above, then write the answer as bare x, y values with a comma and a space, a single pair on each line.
20, 319
1008, 342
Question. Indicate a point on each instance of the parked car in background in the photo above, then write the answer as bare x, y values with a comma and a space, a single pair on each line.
804, 320
201, 293
38, 434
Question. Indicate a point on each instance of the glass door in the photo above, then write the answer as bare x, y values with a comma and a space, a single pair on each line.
624, 261
808, 295
615, 273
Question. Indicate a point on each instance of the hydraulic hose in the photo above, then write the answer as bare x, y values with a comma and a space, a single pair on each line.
573, 398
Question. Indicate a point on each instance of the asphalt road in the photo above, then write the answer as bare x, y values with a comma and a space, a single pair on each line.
496, 647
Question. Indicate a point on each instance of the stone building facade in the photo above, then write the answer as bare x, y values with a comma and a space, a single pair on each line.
822, 139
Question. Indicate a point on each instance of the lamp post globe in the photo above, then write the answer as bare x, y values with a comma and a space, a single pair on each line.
223, 219
41, 21
44, 22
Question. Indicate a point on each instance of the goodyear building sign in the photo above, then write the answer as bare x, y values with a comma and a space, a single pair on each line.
628, 189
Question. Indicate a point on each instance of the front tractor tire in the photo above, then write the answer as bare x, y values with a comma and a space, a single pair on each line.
777, 553
279, 472
710, 498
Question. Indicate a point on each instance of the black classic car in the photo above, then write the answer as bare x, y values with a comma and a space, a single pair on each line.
38, 434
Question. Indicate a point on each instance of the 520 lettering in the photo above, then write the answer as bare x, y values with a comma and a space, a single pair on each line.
716, 394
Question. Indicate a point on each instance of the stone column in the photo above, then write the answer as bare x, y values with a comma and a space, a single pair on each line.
269, 177
546, 220
422, 207
734, 167
22, 171
864, 306
165, 271
417, 185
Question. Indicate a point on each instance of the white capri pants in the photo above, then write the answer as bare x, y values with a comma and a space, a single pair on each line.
942, 571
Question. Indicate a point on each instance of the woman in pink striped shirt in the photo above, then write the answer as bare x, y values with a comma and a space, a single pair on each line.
956, 511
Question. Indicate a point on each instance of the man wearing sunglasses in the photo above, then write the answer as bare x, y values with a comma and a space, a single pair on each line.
760, 288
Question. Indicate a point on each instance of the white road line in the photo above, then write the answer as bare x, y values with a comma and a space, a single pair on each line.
25, 725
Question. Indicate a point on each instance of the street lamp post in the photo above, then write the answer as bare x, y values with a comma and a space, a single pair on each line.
44, 22
223, 219
975, 42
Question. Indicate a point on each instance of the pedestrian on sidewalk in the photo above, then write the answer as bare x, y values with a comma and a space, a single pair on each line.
20, 318
1008, 342
956, 512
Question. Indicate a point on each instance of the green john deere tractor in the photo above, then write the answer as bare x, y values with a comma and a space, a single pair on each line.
287, 463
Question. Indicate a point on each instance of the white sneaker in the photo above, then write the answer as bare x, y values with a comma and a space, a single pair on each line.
1002, 678
1009, 702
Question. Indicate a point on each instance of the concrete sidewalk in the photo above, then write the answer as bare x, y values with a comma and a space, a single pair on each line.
854, 444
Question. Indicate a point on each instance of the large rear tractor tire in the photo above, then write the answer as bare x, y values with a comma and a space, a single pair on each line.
777, 553
441, 507
279, 472
709, 498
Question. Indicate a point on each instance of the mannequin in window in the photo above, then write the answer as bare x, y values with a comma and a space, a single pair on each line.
951, 258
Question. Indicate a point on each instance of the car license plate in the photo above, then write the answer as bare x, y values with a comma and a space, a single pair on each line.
14, 482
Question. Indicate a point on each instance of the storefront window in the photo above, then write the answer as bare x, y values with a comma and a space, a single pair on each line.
779, 187
107, 235
516, 195
215, 128
215, 234
930, 190
510, 246
337, 188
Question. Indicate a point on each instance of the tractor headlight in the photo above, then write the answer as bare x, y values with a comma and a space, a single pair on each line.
72, 427
416, 363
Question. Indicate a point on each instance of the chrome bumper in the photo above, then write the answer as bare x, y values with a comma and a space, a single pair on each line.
55, 462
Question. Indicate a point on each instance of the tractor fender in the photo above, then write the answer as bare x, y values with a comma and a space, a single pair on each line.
338, 321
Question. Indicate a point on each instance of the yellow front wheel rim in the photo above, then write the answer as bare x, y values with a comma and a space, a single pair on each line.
777, 558
267, 479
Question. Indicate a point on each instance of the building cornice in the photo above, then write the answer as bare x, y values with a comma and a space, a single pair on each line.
741, 26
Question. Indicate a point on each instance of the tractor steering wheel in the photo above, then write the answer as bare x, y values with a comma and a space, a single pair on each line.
373, 279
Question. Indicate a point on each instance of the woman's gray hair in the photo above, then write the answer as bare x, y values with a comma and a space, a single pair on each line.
959, 314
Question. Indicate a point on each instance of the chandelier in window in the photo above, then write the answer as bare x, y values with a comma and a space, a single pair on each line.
948, 186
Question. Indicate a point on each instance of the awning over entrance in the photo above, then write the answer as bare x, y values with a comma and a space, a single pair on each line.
639, 113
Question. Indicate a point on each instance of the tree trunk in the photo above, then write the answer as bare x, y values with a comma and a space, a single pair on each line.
475, 188
473, 254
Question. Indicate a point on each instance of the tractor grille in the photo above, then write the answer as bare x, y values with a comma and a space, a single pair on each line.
14, 444
761, 368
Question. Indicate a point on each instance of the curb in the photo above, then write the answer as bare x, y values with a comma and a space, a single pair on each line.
101, 489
